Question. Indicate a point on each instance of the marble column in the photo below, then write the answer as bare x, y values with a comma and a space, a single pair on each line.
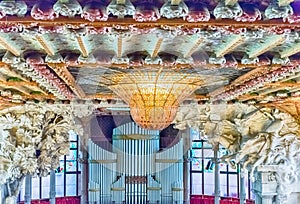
242, 186
1, 194
28, 186
84, 177
265, 185
217, 175
186, 164
85, 124
52, 192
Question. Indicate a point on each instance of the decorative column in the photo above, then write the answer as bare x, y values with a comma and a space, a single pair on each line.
186, 164
82, 111
52, 192
28, 193
85, 124
265, 185
1, 194
242, 186
217, 175
84, 177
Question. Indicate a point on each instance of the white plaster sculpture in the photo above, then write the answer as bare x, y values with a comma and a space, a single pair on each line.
120, 9
253, 137
68, 8
32, 138
174, 11
276, 11
227, 11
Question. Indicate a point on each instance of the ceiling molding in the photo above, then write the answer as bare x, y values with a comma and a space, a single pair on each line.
120, 47
194, 47
62, 71
157, 47
230, 44
230, 2
284, 2
175, 2
82, 46
269, 42
45, 45
293, 49
8, 45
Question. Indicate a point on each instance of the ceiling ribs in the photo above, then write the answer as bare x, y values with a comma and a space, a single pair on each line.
120, 47
269, 90
180, 66
62, 71
246, 97
157, 47
196, 45
23, 87
286, 85
284, 2
101, 96
45, 45
29, 21
120, 1
2, 77
254, 72
10, 73
274, 87
175, 2
231, 43
290, 50
82, 46
230, 2
6, 45
266, 89
268, 44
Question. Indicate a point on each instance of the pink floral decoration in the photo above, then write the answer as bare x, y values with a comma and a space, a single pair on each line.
94, 11
250, 14
43, 10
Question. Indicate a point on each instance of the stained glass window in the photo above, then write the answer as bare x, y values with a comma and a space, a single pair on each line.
67, 176
202, 170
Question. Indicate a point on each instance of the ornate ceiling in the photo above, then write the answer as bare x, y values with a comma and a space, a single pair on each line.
245, 50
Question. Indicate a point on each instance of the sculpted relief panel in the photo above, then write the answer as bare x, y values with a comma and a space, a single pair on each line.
253, 136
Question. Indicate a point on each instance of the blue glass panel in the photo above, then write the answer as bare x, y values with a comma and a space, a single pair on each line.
73, 145
209, 183
196, 164
223, 184
71, 184
233, 187
35, 188
71, 161
196, 144
197, 183
45, 186
72, 136
59, 182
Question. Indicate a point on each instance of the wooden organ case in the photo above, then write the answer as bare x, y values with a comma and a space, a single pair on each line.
136, 172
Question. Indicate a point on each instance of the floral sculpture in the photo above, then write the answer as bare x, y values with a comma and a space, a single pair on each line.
32, 138
253, 136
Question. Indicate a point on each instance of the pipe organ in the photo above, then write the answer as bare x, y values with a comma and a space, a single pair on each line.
136, 172
102, 165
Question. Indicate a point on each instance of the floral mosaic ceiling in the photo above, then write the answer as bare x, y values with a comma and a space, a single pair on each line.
246, 50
